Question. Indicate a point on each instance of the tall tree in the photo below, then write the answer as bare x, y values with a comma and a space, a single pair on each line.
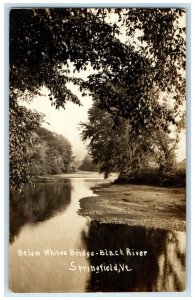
117, 149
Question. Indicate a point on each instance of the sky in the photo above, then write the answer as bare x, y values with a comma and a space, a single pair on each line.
65, 121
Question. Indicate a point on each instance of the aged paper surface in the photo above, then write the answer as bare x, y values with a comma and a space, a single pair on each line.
97, 150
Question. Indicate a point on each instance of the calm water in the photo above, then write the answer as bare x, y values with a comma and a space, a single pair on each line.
46, 232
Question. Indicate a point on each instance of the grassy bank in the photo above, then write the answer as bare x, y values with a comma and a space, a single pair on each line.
152, 177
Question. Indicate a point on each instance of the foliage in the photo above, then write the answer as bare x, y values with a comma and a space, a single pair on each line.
116, 149
22, 124
163, 41
42, 41
87, 165
129, 78
32, 152
52, 154
151, 176
153, 66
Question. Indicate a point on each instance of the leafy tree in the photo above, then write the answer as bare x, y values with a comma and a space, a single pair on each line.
39, 164
158, 36
116, 149
44, 41
52, 154
22, 124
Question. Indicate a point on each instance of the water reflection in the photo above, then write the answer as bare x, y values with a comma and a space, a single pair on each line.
162, 269
36, 204
171, 275
62, 231
46, 217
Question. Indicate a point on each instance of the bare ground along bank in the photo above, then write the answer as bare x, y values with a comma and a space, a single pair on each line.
137, 205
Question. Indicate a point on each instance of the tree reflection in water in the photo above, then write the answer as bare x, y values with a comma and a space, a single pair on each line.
37, 204
163, 269
171, 262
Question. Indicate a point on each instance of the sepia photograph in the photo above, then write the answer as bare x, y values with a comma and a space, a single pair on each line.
97, 149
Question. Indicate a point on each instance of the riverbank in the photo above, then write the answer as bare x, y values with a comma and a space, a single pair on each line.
78, 174
137, 205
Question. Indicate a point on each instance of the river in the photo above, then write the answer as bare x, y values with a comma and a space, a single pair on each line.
54, 250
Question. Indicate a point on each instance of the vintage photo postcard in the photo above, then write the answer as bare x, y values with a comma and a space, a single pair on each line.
97, 149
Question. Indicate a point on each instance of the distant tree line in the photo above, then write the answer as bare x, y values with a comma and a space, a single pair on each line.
52, 154
47, 153
88, 165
